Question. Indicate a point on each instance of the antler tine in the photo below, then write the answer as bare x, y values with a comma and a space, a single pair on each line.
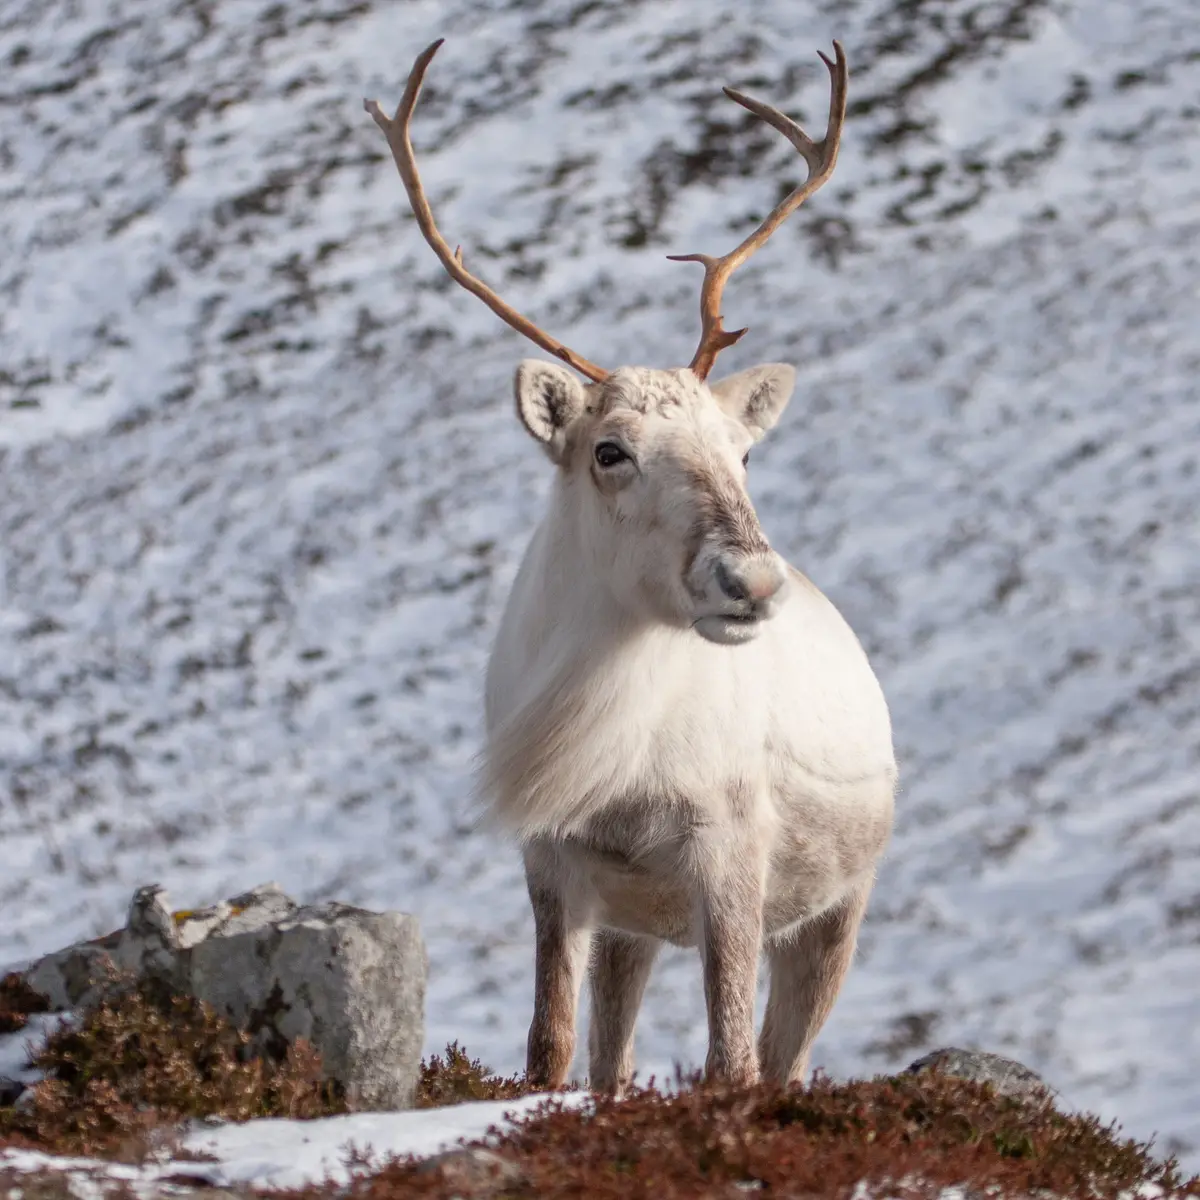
396, 130
821, 158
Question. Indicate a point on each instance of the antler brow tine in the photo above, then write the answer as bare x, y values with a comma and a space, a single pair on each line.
396, 130
821, 158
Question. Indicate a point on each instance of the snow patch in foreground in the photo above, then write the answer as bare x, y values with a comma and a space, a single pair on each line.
280, 1153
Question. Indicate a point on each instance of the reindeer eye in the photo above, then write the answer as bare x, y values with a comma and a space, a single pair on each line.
608, 454
746, 459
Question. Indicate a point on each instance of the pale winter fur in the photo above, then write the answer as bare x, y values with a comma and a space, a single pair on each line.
683, 732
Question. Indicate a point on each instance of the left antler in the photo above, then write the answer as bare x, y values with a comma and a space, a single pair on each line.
396, 131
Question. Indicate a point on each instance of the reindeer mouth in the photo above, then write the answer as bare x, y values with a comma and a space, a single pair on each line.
729, 629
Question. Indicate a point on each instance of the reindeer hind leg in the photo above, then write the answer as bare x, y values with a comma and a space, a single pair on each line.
619, 970
807, 972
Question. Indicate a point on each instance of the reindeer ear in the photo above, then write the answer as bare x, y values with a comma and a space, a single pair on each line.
549, 398
756, 397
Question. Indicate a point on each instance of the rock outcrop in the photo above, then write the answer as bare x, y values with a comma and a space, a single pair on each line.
350, 981
1006, 1075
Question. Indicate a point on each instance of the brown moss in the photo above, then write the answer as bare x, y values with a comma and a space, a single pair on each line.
141, 1061
916, 1135
18, 1001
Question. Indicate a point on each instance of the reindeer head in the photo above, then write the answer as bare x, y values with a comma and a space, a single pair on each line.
653, 488
653, 462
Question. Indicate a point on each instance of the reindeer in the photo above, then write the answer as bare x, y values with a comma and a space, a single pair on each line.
682, 731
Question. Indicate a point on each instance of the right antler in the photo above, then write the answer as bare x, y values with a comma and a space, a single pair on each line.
820, 156
396, 131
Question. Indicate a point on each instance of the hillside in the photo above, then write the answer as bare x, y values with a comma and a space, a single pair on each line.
262, 491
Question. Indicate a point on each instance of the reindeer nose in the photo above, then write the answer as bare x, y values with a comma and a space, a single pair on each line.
754, 581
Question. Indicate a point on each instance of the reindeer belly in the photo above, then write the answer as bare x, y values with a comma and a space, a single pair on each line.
630, 870
628, 866
642, 902
826, 844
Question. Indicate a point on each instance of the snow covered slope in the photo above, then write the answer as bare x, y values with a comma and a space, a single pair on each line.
261, 489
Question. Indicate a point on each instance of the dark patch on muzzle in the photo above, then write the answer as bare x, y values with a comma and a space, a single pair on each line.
724, 519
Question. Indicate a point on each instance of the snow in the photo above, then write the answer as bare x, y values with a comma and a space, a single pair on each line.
16, 1049
289, 1154
262, 492
282, 1154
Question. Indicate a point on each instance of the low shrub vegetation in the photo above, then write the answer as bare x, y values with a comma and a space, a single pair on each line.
458, 1078
906, 1135
123, 1077
18, 1002
142, 1061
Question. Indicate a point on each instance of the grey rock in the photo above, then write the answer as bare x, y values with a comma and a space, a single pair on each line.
474, 1168
184, 1187
1006, 1075
69, 977
350, 981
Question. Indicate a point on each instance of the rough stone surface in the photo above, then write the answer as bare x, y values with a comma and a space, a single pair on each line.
475, 1169
350, 981
1006, 1075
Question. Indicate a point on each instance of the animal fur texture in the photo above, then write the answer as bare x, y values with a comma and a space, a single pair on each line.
683, 732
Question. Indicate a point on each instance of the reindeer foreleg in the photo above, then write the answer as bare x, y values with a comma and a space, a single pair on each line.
730, 903
562, 947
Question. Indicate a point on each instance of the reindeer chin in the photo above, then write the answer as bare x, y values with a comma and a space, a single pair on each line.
728, 630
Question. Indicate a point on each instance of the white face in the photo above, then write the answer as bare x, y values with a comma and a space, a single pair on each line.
655, 467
